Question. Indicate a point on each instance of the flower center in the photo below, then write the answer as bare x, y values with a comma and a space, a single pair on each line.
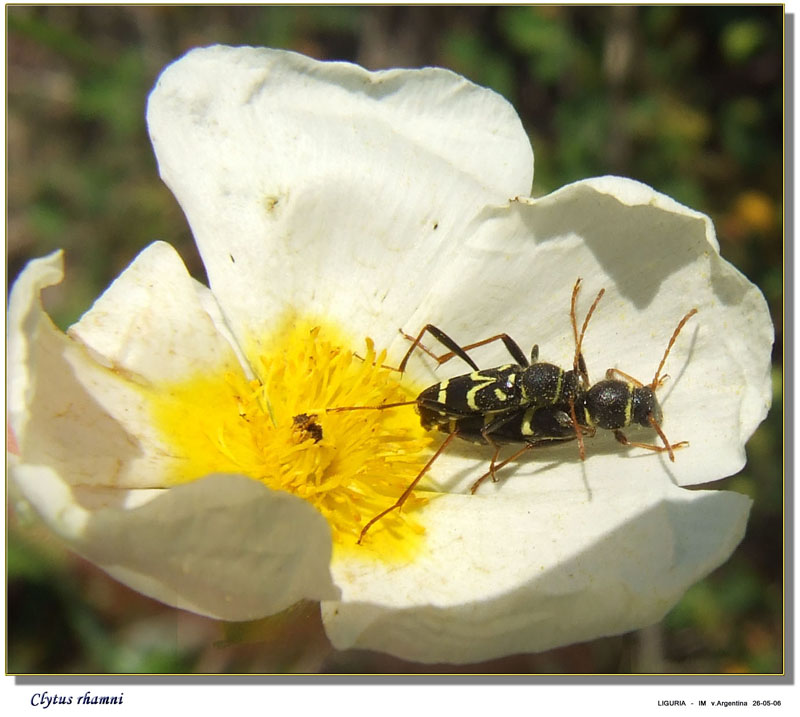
350, 465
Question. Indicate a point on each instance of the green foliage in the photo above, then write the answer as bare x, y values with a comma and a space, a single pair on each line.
546, 41
741, 40
466, 49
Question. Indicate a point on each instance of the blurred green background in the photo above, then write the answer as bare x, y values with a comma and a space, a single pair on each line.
686, 99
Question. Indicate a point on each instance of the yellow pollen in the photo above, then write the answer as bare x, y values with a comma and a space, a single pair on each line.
350, 465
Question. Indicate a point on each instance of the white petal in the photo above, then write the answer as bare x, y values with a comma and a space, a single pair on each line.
55, 418
76, 404
223, 546
297, 176
656, 260
562, 550
26, 319
152, 322
503, 576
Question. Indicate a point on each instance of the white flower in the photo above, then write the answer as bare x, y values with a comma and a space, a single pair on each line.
332, 207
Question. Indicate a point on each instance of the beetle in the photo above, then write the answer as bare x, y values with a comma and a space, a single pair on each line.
526, 401
530, 402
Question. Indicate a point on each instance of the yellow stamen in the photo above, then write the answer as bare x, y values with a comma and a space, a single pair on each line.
350, 465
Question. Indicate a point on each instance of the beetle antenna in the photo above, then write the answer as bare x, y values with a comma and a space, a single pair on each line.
577, 364
656, 379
